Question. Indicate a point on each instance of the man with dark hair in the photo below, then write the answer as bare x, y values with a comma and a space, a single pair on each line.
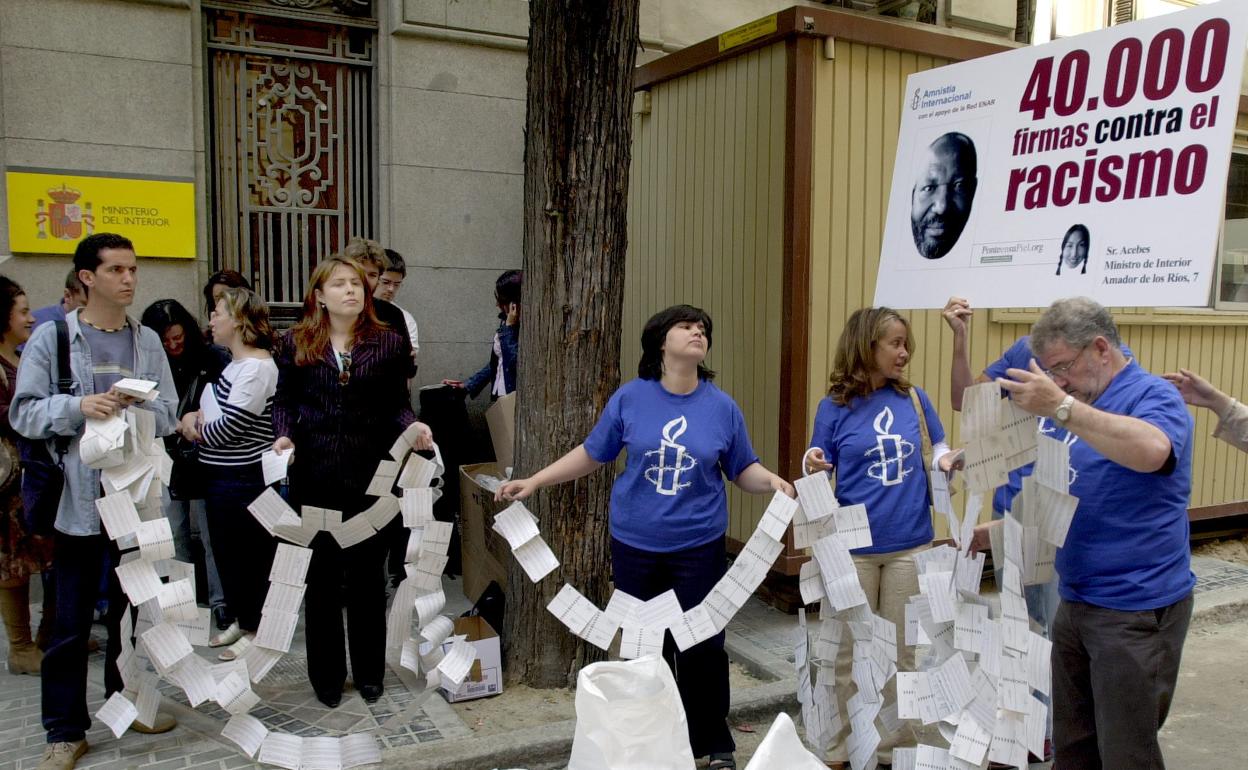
940, 203
372, 260
393, 273
105, 346
75, 296
1124, 573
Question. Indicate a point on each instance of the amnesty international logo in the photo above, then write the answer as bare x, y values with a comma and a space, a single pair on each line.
63, 216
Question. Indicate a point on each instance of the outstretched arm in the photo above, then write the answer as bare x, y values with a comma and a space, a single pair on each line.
573, 465
757, 480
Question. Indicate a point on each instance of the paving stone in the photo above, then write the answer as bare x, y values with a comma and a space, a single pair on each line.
168, 764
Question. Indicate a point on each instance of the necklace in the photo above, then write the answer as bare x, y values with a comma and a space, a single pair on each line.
97, 327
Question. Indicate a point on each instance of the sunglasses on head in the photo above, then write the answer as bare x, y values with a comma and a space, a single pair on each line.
344, 375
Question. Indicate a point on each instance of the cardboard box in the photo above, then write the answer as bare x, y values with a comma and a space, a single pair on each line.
486, 677
485, 555
501, 417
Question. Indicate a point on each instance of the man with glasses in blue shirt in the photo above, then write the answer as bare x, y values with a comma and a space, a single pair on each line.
1124, 573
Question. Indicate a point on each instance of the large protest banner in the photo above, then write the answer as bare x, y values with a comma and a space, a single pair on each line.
1094, 165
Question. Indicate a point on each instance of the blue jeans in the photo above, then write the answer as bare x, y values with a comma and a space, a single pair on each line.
78, 561
701, 671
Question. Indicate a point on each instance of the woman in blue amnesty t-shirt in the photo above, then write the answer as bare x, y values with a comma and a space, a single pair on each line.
669, 512
867, 430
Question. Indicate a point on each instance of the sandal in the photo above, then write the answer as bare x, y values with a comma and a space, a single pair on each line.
235, 650
722, 762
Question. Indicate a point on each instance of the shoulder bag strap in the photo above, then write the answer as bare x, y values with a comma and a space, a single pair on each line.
64, 382
926, 449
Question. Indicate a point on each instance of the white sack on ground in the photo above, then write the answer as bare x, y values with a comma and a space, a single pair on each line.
629, 717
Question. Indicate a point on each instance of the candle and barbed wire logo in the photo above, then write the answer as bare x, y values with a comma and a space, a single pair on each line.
672, 460
890, 452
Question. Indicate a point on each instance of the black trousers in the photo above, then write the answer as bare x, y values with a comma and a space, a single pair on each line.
353, 578
1114, 674
701, 672
242, 549
78, 562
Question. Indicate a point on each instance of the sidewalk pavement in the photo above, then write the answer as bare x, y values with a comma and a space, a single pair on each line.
760, 638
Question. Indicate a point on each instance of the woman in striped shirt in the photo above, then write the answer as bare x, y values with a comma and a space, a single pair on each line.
233, 428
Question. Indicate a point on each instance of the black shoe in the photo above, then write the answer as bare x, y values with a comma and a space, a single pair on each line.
370, 692
330, 699
724, 761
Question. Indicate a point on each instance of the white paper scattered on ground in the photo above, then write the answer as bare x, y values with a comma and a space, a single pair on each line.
282, 750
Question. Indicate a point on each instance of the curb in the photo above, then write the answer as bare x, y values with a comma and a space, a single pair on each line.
549, 746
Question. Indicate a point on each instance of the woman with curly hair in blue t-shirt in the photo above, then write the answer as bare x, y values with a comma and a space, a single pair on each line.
867, 431
669, 510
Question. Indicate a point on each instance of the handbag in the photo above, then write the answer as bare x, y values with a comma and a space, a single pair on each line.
43, 477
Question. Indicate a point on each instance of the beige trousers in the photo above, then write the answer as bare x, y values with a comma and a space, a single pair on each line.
888, 580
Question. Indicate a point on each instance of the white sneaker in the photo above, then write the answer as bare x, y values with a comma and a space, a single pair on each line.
228, 636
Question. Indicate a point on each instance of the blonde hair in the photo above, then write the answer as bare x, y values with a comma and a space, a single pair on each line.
855, 354
252, 316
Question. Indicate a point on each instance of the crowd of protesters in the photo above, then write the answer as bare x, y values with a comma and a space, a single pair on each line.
334, 390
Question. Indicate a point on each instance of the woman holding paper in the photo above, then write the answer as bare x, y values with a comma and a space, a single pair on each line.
21, 553
233, 428
876, 430
669, 511
342, 400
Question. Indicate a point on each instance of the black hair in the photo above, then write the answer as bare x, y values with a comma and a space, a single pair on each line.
230, 279
1087, 241
163, 313
87, 255
9, 292
507, 287
394, 263
654, 335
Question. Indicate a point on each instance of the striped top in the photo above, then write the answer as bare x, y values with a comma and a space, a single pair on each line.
238, 413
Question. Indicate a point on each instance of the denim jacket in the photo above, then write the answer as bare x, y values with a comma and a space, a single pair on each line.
38, 411
509, 343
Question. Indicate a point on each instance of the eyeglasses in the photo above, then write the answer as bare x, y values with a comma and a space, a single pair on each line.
1061, 370
389, 283
344, 374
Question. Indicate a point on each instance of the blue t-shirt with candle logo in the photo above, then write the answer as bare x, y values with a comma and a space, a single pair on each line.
670, 495
876, 447
1018, 356
1128, 546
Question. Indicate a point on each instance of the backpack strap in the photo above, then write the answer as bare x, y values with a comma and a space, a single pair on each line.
926, 448
64, 382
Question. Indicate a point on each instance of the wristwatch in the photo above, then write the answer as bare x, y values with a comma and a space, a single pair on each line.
1062, 413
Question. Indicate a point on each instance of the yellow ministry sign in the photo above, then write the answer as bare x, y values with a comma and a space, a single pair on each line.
50, 212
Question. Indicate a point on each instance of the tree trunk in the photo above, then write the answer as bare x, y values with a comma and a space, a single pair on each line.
578, 135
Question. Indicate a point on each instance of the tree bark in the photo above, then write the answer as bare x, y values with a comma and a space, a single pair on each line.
578, 135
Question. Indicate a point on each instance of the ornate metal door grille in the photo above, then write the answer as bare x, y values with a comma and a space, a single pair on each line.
293, 138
